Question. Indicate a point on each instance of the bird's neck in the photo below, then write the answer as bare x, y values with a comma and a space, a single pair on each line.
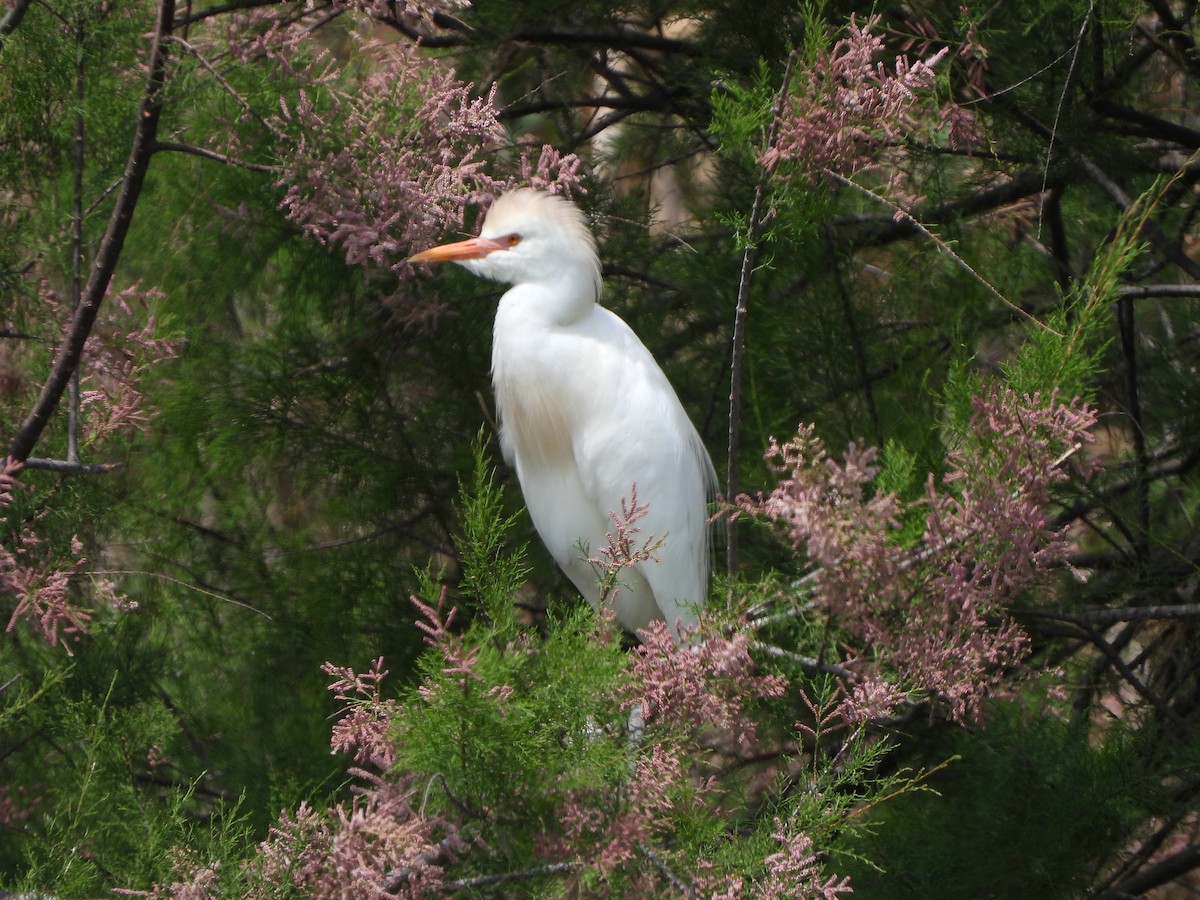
552, 302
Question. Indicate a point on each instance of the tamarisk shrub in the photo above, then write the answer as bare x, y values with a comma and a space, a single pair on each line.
934, 610
514, 763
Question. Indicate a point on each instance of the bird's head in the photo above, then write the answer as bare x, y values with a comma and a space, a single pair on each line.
529, 237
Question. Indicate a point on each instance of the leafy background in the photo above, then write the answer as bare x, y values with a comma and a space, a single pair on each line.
289, 421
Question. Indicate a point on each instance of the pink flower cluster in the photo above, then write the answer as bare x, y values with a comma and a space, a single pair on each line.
377, 846
41, 585
623, 549
458, 658
794, 871
384, 163
9, 468
364, 728
677, 690
53, 590
607, 826
197, 881
848, 106
934, 612
17, 804
117, 357
681, 686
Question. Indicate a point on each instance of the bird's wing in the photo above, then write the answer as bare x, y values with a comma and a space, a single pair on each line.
635, 431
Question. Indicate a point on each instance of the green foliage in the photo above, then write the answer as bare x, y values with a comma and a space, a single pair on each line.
1066, 354
295, 478
110, 810
492, 572
1029, 808
535, 714
741, 114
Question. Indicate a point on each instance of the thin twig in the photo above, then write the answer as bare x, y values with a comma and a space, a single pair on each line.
806, 662
460, 884
941, 245
1128, 333
674, 880
229, 89
216, 157
1062, 99
220, 9
1123, 668
184, 584
78, 162
759, 218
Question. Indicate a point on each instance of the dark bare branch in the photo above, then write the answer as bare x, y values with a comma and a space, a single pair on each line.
145, 132
1149, 125
479, 881
1141, 291
1162, 872
12, 18
219, 9
67, 467
201, 152
619, 38
1112, 616
885, 229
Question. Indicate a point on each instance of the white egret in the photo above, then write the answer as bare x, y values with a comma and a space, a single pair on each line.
586, 413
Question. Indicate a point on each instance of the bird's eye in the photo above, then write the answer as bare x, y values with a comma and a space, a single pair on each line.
512, 240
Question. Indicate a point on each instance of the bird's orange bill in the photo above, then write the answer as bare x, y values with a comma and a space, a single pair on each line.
474, 248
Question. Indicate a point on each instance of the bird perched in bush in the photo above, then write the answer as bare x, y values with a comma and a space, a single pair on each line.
586, 415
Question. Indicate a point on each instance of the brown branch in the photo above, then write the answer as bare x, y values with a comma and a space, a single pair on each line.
70, 467
13, 17
1136, 862
886, 229
437, 855
79, 162
219, 9
619, 38
805, 662
1162, 872
224, 160
1131, 678
67, 358
1119, 196
1113, 616
1178, 33
684, 889
1149, 125
637, 103
859, 350
1166, 463
456, 33
1128, 334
